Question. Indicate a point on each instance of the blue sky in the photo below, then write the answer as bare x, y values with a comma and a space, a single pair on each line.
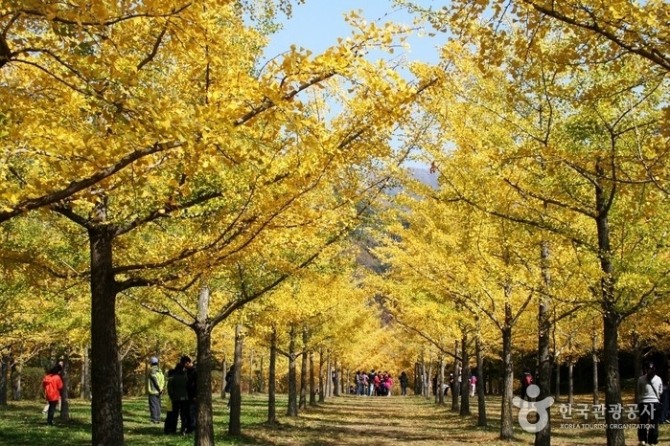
317, 24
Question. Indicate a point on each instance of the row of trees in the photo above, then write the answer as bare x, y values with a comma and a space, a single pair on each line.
549, 137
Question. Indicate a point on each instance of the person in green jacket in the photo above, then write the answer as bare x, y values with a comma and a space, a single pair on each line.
155, 387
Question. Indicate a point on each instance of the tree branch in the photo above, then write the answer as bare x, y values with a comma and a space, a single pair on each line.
154, 50
113, 21
79, 185
165, 211
653, 54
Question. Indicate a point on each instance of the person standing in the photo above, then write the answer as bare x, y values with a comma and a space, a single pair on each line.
526, 381
155, 387
403, 383
649, 389
46, 406
178, 391
473, 385
52, 385
388, 384
371, 381
230, 375
189, 367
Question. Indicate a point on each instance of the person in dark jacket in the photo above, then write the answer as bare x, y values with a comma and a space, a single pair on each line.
229, 382
178, 392
403, 383
192, 389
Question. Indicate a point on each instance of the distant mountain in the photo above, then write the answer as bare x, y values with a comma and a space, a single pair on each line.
365, 243
423, 174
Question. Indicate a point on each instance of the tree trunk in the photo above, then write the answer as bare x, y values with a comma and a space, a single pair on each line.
506, 424
336, 381
322, 396
544, 327
204, 427
440, 381
65, 391
302, 404
615, 436
224, 369
121, 374
312, 383
272, 379
85, 374
558, 379
234, 425
251, 372
16, 378
594, 358
432, 386
329, 375
465, 378
106, 414
425, 376
571, 382
481, 396
261, 379
418, 376
292, 410
420, 381
612, 318
637, 354
454, 387
4, 378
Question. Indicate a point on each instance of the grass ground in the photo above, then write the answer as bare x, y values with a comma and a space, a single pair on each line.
347, 420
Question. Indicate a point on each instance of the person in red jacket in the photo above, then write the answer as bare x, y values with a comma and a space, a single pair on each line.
52, 384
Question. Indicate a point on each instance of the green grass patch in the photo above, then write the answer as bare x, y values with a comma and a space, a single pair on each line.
346, 420
23, 424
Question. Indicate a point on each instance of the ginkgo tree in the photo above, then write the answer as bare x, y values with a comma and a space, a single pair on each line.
76, 56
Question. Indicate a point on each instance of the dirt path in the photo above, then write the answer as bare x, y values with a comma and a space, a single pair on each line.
376, 421
381, 421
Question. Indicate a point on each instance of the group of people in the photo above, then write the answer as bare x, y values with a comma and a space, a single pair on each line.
377, 383
180, 384
454, 384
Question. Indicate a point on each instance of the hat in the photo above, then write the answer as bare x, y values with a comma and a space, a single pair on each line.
154, 360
